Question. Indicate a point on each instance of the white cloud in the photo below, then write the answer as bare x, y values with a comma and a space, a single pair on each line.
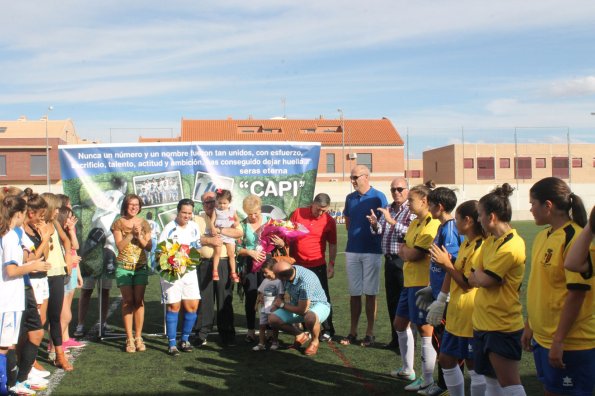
575, 87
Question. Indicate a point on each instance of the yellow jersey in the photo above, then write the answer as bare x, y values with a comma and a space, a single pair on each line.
420, 235
460, 307
498, 308
548, 288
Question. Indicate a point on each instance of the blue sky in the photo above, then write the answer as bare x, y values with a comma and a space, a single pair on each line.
435, 68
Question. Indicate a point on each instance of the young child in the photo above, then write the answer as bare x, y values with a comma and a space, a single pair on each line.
12, 287
224, 216
270, 288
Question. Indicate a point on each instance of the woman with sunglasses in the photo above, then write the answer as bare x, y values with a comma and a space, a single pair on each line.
61, 265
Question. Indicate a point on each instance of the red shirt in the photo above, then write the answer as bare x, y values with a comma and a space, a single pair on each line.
309, 250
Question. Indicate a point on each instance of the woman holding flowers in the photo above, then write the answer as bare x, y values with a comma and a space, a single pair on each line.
179, 281
133, 240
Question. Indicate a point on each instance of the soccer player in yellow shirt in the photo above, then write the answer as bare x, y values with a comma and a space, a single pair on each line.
497, 314
561, 327
457, 340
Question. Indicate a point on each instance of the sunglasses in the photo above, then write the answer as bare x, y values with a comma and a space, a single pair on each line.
208, 202
354, 178
399, 189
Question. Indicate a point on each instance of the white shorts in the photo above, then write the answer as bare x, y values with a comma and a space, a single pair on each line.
40, 289
89, 283
10, 325
182, 289
363, 273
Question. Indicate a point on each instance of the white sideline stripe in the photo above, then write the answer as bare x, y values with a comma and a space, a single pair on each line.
57, 376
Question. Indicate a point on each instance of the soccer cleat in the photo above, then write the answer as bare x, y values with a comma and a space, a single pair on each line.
21, 388
185, 346
418, 385
433, 390
36, 384
173, 351
403, 375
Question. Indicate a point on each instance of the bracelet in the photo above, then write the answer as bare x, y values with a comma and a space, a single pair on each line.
331, 263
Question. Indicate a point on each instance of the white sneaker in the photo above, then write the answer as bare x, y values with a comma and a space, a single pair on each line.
274, 346
39, 373
259, 347
37, 383
21, 388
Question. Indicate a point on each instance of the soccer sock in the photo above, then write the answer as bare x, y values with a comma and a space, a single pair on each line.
478, 384
428, 359
407, 347
11, 368
28, 355
455, 382
189, 320
514, 390
493, 388
3, 388
171, 327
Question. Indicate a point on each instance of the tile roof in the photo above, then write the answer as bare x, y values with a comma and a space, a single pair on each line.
328, 132
24, 128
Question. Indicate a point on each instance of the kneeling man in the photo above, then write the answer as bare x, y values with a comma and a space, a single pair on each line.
307, 303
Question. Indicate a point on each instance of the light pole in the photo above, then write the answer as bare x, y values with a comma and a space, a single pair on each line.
343, 141
47, 149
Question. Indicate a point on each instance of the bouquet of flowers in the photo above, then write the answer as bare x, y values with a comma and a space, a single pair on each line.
282, 228
175, 259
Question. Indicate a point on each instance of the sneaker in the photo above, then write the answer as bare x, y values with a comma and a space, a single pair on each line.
72, 343
79, 331
403, 375
199, 341
21, 388
185, 346
418, 385
259, 347
325, 337
433, 390
173, 351
39, 373
36, 384
274, 345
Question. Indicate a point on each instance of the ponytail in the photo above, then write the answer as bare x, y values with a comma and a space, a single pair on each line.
11, 205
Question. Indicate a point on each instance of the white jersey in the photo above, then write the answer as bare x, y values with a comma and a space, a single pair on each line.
187, 235
12, 291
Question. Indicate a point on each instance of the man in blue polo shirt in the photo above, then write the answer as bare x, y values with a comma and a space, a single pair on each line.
363, 252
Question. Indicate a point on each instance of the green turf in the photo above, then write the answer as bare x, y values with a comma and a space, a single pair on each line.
103, 368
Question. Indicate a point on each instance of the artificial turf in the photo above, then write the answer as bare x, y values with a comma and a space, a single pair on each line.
103, 368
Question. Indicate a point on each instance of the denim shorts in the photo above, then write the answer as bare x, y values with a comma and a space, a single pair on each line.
321, 310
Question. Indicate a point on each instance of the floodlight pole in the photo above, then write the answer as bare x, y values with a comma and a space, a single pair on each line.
47, 150
343, 141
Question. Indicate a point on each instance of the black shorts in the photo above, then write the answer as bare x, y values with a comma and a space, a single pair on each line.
507, 345
30, 321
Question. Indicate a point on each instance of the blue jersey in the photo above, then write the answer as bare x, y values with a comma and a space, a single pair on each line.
447, 236
359, 236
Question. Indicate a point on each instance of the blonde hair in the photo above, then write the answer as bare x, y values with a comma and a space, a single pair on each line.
252, 203
53, 203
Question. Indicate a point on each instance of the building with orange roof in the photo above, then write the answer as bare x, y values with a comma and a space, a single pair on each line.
23, 160
344, 143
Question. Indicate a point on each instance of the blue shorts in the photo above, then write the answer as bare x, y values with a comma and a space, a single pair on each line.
322, 311
455, 346
507, 345
408, 309
576, 379
72, 281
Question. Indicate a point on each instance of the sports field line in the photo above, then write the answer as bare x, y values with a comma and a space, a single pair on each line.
347, 363
58, 374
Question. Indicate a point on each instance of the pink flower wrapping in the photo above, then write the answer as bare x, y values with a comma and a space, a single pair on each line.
284, 229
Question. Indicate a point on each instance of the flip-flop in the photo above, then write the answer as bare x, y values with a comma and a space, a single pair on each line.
311, 350
350, 339
301, 339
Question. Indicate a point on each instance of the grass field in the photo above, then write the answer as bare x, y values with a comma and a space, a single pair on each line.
102, 368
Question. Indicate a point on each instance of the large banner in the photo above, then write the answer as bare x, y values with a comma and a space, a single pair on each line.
96, 178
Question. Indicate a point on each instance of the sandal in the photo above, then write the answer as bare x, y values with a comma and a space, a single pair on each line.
350, 339
368, 341
301, 339
234, 277
311, 350
130, 347
140, 344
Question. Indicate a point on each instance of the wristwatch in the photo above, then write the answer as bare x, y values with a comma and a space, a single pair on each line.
282, 305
